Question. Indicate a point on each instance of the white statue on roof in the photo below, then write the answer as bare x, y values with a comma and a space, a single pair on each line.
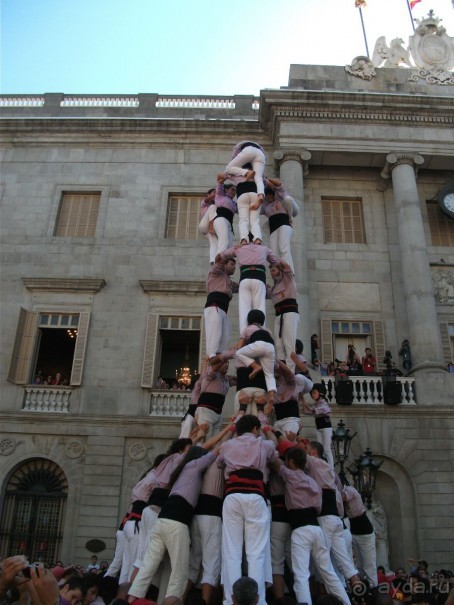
392, 56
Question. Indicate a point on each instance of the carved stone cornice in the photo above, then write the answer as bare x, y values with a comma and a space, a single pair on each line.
63, 284
150, 286
397, 159
297, 155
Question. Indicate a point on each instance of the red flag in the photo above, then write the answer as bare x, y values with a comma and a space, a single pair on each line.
362, 3
413, 2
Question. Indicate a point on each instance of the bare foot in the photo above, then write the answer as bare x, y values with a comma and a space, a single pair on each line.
256, 368
250, 174
257, 241
268, 409
243, 242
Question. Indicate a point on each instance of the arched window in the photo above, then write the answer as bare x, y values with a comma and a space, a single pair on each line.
33, 511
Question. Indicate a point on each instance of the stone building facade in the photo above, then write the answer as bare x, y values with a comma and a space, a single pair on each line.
99, 201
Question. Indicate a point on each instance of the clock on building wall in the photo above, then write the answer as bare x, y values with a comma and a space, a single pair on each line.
446, 200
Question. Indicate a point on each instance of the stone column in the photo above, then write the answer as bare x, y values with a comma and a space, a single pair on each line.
422, 321
292, 167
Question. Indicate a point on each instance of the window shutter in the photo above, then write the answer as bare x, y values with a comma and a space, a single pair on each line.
79, 351
149, 351
445, 341
378, 343
326, 341
26, 333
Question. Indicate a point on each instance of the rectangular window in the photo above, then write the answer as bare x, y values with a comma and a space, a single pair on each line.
78, 214
343, 221
183, 217
441, 226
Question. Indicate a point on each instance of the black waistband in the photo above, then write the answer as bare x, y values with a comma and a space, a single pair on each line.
262, 335
250, 144
253, 272
299, 517
286, 409
218, 299
246, 187
361, 526
278, 501
177, 508
242, 379
245, 481
138, 506
209, 505
329, 506
212, 401
225, 213
277, 220
289, 305
158, 496
323, 422
190, 411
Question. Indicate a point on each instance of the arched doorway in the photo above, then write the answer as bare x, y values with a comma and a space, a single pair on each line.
34, 499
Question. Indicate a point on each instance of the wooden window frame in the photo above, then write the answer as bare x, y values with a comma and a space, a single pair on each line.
78, 214
334, 213
177, 225
441, 227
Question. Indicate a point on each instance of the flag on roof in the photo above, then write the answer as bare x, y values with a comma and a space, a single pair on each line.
362, 3
413, 2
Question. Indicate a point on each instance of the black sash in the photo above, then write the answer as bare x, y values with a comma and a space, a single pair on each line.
245, 481
329, 506
190, 411
178, 509
209, 505
250, 144
242, 379
218, 299
225, 213
279, 512
277, 220
262, 335
299, 517
286, 409
253, 272
361, 526
289, 305
158, 496
323, 422
246, 187
212, 401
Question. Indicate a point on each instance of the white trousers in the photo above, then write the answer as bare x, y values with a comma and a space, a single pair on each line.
264, 352
366, 557
131, 543
280, 543
115, 566
186, 427
288, 425
204, 227
213, 420
324, 436
248, 219
280, 244
251, 155
250, 392
206, 536
173, 537
224, 233
217, 330
285, 344
307, 541
147, 522
244, 517
251, 295
333, 529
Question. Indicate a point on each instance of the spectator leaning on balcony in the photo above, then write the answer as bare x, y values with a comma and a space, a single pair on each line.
369, 362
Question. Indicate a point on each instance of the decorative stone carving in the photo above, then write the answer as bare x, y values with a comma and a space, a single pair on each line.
392, 56
434, 76
74, 449
430, 46
361, 67
297, 155
443, 282
137, 451
396, 159
8, 446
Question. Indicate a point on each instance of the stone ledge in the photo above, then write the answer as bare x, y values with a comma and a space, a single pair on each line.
59, 284
172, 287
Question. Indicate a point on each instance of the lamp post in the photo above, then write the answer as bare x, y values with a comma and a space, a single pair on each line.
365, 476
341, 441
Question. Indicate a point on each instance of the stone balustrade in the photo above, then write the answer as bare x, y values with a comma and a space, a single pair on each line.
169, 403
20, 101
370, 389
47, 399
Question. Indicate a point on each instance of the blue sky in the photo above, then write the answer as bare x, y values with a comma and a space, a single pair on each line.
187, 46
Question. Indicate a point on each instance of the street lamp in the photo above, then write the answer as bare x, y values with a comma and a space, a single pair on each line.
341, 441
365, 475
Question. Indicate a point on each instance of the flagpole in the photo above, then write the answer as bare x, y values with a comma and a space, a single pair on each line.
364, 31
411, 15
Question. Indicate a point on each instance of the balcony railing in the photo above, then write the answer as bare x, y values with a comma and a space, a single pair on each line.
370, 389
169, 403
47, 399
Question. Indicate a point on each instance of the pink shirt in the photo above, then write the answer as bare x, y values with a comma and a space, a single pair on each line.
300, 490
218, 281
223, 201
247, 451
286, 389
276, 206
214, 382
284, 288
204, 206
353, 502
189, 482
325, 476
166, 468
249, 331
143, 489
321, 408
251, 254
